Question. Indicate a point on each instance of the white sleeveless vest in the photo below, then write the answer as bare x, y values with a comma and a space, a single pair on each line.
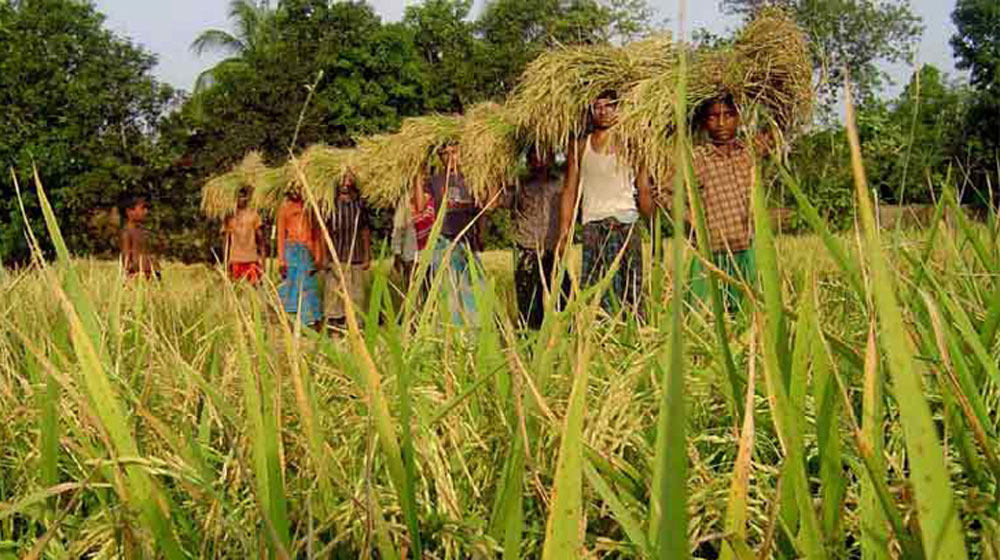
608, 188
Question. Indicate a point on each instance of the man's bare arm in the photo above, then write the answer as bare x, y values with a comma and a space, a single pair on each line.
571, 186
125, 245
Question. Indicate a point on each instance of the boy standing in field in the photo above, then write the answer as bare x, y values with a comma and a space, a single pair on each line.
724, 169
535, 207
351, 235
245, 242
612, 199
298, 252
461, 228
136, 257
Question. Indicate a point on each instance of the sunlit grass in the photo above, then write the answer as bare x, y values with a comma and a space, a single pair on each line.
264, 441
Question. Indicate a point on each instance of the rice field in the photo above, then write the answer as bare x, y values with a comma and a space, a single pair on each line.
850, 410
186, 419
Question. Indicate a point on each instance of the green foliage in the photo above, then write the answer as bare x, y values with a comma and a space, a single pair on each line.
444, 41
858, 35
514, 32
977, 48
977, 42
912, 145
81, 103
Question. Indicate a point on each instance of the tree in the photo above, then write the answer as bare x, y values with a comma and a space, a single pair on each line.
911, 143
856, 35
977, 48
254, 22
977, 42
79, 103
372, 76
445, 42
514, 32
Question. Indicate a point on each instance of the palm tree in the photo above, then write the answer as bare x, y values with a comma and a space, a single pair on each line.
255, 25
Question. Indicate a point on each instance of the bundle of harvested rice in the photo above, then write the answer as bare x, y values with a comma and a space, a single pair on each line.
490, 151
552, 102
220, 194
271, 186
767, 68
322, 166
389, 165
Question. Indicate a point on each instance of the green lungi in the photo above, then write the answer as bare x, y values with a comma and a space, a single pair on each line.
741, 265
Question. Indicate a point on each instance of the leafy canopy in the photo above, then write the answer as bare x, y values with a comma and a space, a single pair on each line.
81, 104
856, 35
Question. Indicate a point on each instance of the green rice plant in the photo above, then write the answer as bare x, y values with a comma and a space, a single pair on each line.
562, 530
601, 435
736, 508
940, 529
668, 521
143, 491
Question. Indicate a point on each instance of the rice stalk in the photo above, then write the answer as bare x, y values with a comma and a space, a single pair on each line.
562, 529
668, 515
939, 520
271, 186
389, 165
490, 151
736, 508
551, 103
220, 193
143, 492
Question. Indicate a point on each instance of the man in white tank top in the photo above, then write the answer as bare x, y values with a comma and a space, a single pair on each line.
611, 197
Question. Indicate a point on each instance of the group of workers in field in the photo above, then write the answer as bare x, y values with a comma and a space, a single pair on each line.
610, 197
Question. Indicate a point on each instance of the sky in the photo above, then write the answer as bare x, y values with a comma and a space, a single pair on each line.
168, 28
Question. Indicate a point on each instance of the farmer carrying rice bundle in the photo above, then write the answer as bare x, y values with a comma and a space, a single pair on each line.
745, 98
220, 195
536, 204
568, 101
456, 252
348, 224
611, 196
456, 165
230, 198
298, 253
245, 242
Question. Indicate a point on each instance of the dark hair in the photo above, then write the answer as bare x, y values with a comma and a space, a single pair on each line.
129, 201
609, 94
702, 112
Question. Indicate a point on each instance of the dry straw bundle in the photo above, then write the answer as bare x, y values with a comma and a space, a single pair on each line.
323, 168
271, 186
389, 165
552, 101
220, 194
767, 68
490, 151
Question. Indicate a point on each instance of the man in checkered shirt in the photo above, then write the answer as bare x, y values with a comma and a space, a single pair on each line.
724, 169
